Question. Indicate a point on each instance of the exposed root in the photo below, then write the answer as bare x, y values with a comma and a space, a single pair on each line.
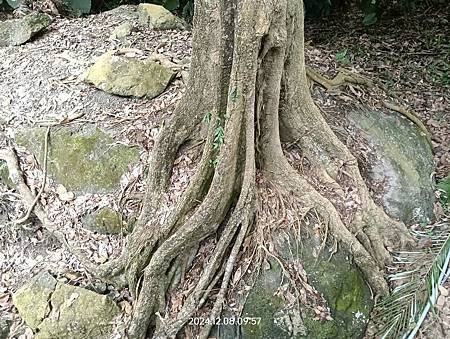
288, 179
342, 78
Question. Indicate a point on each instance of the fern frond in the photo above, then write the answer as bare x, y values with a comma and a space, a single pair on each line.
418, 275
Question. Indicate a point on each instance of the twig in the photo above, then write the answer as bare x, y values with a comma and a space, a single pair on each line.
65, 120
36, 199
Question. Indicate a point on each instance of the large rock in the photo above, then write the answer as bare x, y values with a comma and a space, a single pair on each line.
404, 166
32, 300
57, 310
86, 161
336, 278
18, 31
159, 18
119, 74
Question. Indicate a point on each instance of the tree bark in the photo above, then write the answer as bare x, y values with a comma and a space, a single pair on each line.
248, 86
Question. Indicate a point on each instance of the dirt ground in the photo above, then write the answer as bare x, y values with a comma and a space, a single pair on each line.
408, 57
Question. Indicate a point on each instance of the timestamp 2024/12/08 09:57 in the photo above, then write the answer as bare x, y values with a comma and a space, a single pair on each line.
199, 321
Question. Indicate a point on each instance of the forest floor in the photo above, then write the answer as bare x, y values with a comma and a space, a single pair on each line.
409, 56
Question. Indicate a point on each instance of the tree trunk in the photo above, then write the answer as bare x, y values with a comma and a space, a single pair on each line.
248, 85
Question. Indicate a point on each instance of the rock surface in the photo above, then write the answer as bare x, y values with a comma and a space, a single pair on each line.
337, 279
18, 31
128, 76
122, 30
57, 310
159, 18
5, 325
404, 166
4, 175
85, 161
105, 221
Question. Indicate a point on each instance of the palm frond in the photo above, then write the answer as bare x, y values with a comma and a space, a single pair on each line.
416, 278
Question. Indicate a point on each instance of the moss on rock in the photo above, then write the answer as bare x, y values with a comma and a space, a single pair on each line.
78, 313
86, 161
404, 166
339, 281
57, 310
105, 221
18, 31
159, 18
263, 304
31, 300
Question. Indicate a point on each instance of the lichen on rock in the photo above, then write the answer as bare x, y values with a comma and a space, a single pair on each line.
105, 221
84, 161
159, 18
57, 310
404, 164
18, 31
119, 74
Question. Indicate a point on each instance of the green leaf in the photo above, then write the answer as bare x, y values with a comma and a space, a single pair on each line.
420, 273
207, 118
342, 57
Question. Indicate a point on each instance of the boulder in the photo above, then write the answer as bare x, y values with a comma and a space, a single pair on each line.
32, 300
122, 30
335, 277
57, 310
119, 74
83, 161
105, 221
403, 167
159, 18
18, 31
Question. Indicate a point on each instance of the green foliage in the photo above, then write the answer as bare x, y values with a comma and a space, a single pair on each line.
171, 5
342, 57
207, 118
219, 135
371, 10
444, 190
422, 272
76, 7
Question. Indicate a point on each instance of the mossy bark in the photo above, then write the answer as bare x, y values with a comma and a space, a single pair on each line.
248, 77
